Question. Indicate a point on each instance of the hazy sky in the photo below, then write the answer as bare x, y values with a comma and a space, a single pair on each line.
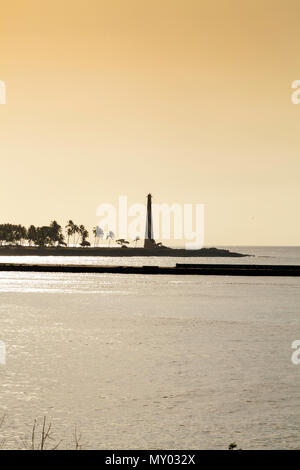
190, 100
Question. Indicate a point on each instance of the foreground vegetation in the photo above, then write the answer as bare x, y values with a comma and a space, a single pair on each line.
41, 438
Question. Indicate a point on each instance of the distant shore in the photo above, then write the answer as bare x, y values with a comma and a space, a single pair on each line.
115, 252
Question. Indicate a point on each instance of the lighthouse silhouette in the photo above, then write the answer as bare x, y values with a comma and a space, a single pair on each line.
149, 240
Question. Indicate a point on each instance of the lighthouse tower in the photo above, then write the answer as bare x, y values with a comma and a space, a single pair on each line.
149, 240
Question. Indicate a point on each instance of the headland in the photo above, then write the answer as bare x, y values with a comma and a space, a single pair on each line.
115, 252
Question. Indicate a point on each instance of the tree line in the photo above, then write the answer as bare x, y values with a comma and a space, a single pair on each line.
53, 235
47, 235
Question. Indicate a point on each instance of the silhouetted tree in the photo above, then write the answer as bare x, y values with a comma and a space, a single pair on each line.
110, 236
98, 233
31, 234
39, 236
84, 234
122, 242
55, 233
70, 230
10, 233
5, 233
2, 234
20, 233
43, 236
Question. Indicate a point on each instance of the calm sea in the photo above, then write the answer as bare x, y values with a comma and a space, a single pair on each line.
141, 361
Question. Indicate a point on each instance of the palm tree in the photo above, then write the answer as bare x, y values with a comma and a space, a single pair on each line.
95, 235
84, 234
76, 230
2, 234
17, 233
6, 233
98, 233
43, 236
70, 230
9, 233
31, 234
20, 233
110, 236
55, 233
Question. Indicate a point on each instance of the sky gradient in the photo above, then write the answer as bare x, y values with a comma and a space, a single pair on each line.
189, 100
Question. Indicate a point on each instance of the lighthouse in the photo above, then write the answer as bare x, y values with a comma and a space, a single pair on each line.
149, 240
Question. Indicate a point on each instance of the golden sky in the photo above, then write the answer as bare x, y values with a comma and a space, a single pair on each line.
190, 100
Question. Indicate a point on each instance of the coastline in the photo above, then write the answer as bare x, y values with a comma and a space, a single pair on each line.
115, 252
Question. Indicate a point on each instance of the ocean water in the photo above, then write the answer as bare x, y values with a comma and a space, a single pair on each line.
257, 255
154, 362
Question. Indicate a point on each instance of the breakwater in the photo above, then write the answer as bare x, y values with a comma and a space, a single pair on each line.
178, 269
